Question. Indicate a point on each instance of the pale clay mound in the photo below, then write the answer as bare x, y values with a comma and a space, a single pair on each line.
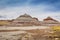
24, 28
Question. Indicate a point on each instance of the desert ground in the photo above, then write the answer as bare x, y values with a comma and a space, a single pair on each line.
19, 33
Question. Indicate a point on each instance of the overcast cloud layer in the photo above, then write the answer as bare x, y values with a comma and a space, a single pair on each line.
10, 9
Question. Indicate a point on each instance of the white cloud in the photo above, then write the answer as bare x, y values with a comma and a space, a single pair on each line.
37, 11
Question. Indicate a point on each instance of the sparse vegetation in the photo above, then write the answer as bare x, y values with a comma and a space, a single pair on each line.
3, 23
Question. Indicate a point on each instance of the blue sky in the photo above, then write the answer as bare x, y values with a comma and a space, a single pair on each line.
10, 9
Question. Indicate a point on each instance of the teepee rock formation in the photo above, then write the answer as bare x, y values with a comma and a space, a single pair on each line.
27, 20
50, 19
